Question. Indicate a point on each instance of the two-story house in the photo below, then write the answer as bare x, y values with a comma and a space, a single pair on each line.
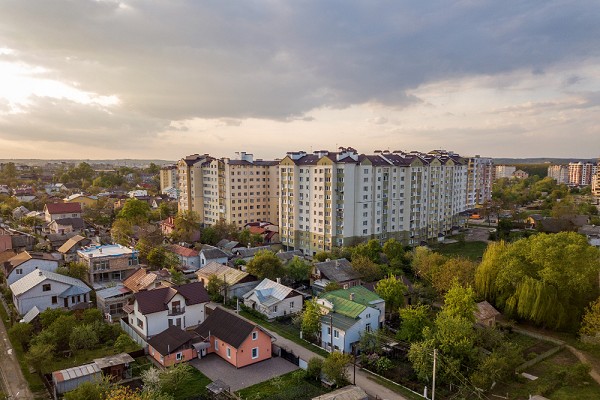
273, 299
45, 289
23, 263
338, 271
188, 258
54, 211
153, 311
71, 246
345, 319
212, 254
108, 263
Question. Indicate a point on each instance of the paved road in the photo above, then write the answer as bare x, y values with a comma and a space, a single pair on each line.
13, 382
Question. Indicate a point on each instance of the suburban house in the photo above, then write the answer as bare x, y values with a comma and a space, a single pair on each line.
172, 346
45, 289
83, 199
167, 226
592, 233
108, 263
365, 297
142, 279
273, 299
228, 245
338, 271
152, 311
287, 256
5, 239
237, 282
111, 301
65, 225
234, 339
248, 253
24, 263
486, 314
54, 211
268, 231
19, 212
70, 247
53, 188
345, 319
189, 258
212, 254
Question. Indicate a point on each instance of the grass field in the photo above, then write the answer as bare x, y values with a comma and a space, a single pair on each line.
290, 386
192, 388
471, 250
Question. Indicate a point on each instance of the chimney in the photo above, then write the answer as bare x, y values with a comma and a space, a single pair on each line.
40, 272
279, 280
351, 296
337, 263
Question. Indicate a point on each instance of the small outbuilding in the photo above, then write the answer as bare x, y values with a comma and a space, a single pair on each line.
69, 379
486, 314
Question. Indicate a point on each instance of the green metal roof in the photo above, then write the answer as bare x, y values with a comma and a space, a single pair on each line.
362, 295
344, 306
338, 321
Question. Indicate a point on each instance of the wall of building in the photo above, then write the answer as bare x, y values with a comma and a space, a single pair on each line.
29, 266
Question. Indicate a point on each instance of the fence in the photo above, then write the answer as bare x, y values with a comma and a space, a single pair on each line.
133, 334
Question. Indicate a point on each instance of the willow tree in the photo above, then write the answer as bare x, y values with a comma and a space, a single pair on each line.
548, 278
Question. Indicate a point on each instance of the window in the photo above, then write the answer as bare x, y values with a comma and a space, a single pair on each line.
329, 330
54, 300
228, 352
19, 271
291, 304
216, 345
368, 327
178, 356
255, 353
46, 287
140, 323
254, 335
336, 333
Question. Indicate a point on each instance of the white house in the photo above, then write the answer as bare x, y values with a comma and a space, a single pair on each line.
347, 316
25, 262
45, 289
137, 193
54, 211
153, 311
210, 253
187, 257
273, 299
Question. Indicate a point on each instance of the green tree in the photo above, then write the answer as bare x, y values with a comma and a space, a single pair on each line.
372, 250
460, 302
368, 270
499, 366
83, 337
265, 264
546, 279
426, 263
590, 323
173, 379
124, 343
39, 355
135, 211
459, 268
311, 320
22, 332
208, 235
177, 277
187, 224
122, 232
298, 269
92, 315
97, 390
413, 320
334, 368
74, 269
215, 287
391, 290
49, 315
313, 370
331, 286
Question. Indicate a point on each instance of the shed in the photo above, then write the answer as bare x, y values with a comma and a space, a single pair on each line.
486, 314
117, 366
69, 379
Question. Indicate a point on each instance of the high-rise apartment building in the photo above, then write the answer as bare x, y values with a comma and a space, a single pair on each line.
560, 173
332, 199
581, 173
504, 171
168, 177
480, 173
237, 191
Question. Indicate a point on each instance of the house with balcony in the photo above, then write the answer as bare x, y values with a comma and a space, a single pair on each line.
273, 299
347, 316
108, 263
153, 311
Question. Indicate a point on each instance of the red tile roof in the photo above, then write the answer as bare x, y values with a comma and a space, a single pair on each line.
183, 251
63, 208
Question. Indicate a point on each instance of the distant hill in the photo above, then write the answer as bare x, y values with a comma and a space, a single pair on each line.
541, 160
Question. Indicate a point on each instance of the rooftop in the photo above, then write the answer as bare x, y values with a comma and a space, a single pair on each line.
105, 250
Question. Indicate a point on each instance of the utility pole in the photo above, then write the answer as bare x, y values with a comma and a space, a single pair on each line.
434, 365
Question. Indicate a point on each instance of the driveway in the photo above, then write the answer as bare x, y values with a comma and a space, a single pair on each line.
215, 368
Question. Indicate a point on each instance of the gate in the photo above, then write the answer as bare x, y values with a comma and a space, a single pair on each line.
290, 356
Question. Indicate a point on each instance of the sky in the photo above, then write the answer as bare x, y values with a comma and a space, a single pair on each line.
149, 79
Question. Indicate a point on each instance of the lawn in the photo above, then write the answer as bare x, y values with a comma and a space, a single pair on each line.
471, 250
288, 331
192, 388
291, 386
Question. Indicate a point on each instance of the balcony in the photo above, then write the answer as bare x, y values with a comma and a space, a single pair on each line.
176, 311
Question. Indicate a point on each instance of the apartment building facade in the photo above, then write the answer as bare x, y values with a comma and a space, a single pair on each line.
581, 173
332, 199
560, 173
504, 171
480, 173
168, 177
237, 191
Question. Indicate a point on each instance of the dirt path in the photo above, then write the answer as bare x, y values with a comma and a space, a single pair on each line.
581, 356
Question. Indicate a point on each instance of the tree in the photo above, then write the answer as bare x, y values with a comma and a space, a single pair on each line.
426, 263
499, 366
311, 319
459, 268
160, 257
215, 287
187, 224
313, 370
331, 286
298, 269
265, 264
92, 315
460, 302
22, 332
590, 323
122, 232
548, 279
58, 333
371, 250
39, 355
394, 251
334, 368
135, 211
366, 268
125, 343
391, 290
208, 235
173, 379
74, 269
413, 320
49, 315
83, 337
96, 390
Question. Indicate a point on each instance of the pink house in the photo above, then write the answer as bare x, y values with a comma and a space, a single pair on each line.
5, 240
172, 346
234, 339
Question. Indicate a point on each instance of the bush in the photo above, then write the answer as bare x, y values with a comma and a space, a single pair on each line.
313, 370
124, 343
22, 332
83, 337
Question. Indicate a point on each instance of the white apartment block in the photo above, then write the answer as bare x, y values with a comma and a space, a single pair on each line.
480, 172
581, 173
237, 191
560, 173
504, 171
336, 199
168, 177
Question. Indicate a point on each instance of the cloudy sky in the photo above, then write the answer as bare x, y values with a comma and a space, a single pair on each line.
163, 79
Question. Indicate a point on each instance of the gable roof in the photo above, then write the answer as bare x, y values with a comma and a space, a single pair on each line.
269, 292
212, 253
338, 270
157, 300
485, 310
245, 252
38, 276
225, 326
74, 222
344, 306
69, 244
170, 340
288, 255
140, 280
231, 275
183, 251
63, 208
360, 295
23, 257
